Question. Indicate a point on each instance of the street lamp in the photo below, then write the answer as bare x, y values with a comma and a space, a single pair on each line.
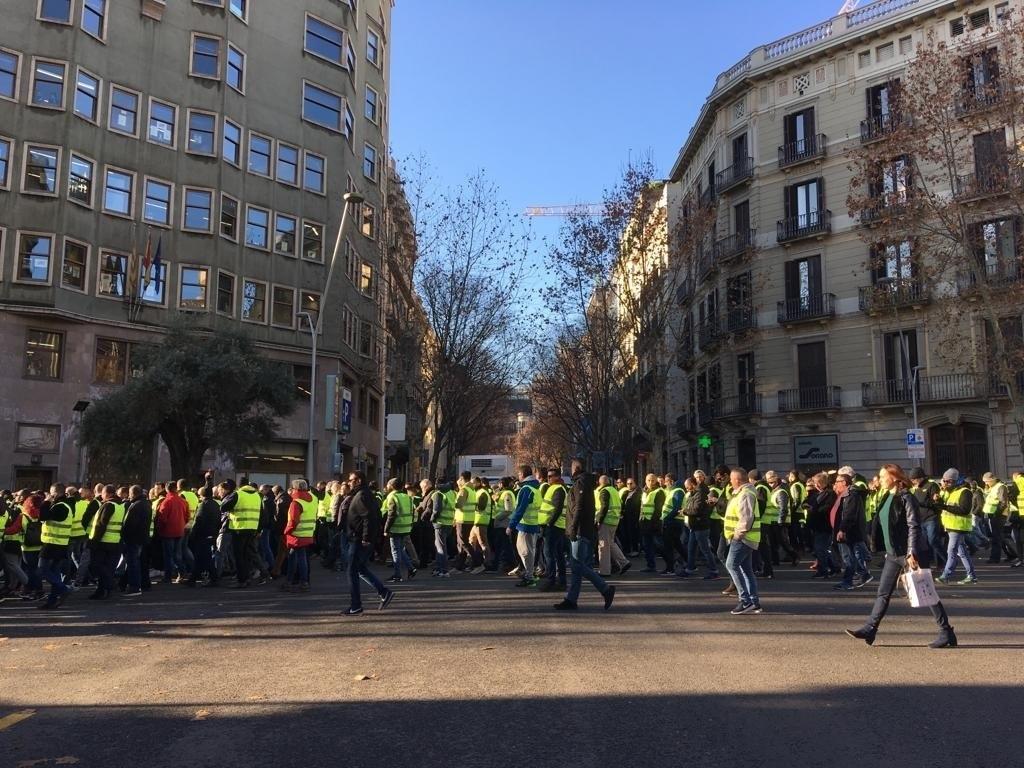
349, 198
79, 409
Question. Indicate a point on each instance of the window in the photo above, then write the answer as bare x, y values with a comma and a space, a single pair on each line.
157, 202
10, 63
48, 83
303, 376
260, 148
254, 301
991, 158
94, 18
803, 283
350, 59
118, 188
373, 47
75, 265
124, 111
349, 327
370, 162
804, 205
163, 120
228, 217
314, 171
111, 365
349, 127
192, 288
113, 268
154, 283
232, 144
323, 40
257, 227
41, 164
308, 302
885, 52
800, 138
284, 234
35, 252
225, 293
312, 241
287, 164
864, 59
906, 45
239, 8
205, 57
365, 338
996, 247
202, 133
57, 11
366, 279
892, 185
81, 174
43, 353
371, 105
197, 215
369, 223
374, 419
283, 311
892, 263
236, 69
321, 106
5, 163
87, 96
982, 72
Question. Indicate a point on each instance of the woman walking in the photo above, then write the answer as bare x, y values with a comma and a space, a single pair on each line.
896, 527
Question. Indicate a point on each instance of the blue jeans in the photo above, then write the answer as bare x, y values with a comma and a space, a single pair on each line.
862, 555
649, 541
35, 579
581, 553
957, 548
739, 563
441, 533
358, 557
823, 553
133, 569
398, 554
173, 562
849, 562
701, 540
554, 555
264, 548
52, 571
933, 535
298, 565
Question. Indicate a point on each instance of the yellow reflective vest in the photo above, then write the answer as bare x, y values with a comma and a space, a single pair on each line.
246, 514
112, 534
732, 517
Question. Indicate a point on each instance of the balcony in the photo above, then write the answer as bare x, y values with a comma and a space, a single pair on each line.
997, 179
995, 275
813, 224
891, 295
684, 354
686, 425
740, 406
740, 320
999, 389
709, 332
735, 246
810, 399
980, 98
706, 413
708, 197
880, 126
818, 306
802, 151
890, 206
930, 389
738, 173
706, 263
684, 291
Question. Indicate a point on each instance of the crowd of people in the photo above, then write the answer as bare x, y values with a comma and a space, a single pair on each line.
548, 531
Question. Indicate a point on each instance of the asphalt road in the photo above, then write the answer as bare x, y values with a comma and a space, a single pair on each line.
474, 672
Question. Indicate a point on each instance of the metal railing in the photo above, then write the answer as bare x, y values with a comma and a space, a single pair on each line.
684, 291
891, 204
802, 151
980, 98
930, 389
708, 196
684, 353
813, 224
740, 320
741, 405
893, 295
817, 306
686, 424
735, 245
740, 171
706, 263
706, 413
810, 399
997, 179
998, 275
880, 126
709, 332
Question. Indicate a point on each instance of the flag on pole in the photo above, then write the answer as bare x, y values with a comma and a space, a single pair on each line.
147, 262
146, 259
131, 287
156, 260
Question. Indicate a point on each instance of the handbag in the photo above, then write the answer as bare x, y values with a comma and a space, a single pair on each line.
920, 588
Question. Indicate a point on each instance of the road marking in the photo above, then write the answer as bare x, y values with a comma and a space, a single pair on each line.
15, 718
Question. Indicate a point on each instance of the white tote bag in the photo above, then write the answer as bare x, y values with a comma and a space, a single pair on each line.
920, 588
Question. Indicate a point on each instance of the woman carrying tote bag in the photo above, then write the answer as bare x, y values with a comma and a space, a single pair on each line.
896, 527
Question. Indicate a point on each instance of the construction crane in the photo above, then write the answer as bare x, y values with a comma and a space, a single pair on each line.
583, 209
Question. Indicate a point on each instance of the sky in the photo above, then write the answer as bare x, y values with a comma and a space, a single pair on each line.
552, 97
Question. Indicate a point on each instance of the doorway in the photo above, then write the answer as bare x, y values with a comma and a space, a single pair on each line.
961, 446
33, 478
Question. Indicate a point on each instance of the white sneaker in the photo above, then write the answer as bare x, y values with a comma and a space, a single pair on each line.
478, 570
517, 571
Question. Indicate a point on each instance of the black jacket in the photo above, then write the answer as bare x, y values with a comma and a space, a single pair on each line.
206, 526
135, 529
818, 505
268, 510
363, 519
904, 526
850, 517
580, 519
696, 510
926, 507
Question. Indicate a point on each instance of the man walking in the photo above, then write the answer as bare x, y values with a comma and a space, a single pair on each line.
671, 525
651, 504
135, 536
743, 532
552, 518
526, 523
609, 513
697, 513
996, 502
581, 531
397, 527
57, 518
955, 503
105, 540
363, 521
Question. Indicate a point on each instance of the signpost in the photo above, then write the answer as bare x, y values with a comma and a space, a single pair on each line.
915, 444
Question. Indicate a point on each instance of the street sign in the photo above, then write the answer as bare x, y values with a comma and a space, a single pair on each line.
704, 441
915, 444
816, 450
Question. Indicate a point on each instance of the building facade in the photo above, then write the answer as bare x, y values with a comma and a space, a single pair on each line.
786, 358
185, 161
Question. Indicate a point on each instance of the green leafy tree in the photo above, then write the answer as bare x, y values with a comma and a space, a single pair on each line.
199, 391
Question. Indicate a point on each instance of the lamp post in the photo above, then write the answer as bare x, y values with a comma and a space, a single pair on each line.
349, 198
79, 409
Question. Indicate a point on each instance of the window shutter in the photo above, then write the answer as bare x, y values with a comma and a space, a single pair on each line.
814, 274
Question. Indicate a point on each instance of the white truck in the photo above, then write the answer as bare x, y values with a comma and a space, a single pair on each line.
492, 467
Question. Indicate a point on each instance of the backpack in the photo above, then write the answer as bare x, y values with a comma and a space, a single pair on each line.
33, 533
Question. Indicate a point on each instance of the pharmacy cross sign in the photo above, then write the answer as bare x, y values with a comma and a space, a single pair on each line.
704, 441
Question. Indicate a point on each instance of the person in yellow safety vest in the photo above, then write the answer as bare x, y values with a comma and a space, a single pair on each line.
1016, 496
608, 503
696, 512
324, 519
12, 534
525, 523
79, 555
242, 506
743, 531
955, 504
105, 541
57, 519
996, 505
397, 510
764, 562
501, 543
778, 529
719, 493
481, 521
442, 519
629, 525
672, 524
465, 513
299, 530
651, 503
798, 533
553, 508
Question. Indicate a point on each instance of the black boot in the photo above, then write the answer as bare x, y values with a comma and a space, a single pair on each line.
866, 633
946, 639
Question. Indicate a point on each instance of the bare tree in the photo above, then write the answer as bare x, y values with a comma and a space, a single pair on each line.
938, 182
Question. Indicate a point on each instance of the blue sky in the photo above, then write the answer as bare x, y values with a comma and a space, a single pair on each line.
552, 96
